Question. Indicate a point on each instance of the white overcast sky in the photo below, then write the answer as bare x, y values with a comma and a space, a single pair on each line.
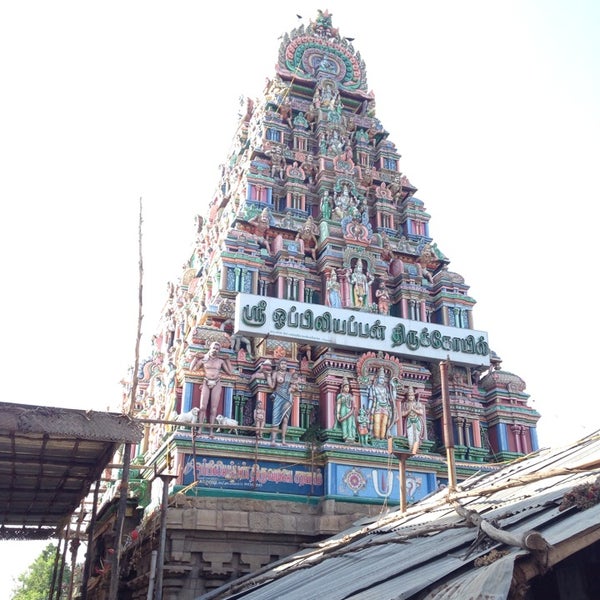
493, 105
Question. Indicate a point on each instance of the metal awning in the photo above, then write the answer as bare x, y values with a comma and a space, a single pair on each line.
49, 459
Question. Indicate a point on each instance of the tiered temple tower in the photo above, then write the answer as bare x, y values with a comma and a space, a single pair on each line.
315, 310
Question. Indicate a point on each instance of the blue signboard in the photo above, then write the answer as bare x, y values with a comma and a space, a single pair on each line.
262, 476
377, 483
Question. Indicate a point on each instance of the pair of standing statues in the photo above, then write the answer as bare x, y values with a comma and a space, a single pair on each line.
282, 381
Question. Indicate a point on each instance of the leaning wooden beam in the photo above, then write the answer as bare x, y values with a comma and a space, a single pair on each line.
529, 540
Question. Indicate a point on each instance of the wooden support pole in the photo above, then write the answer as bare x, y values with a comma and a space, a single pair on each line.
402, 457
90, 541
63, 558
447, 426
55, 570
160, 558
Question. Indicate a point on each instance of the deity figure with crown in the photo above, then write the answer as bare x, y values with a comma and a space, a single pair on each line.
361, 283
381, 396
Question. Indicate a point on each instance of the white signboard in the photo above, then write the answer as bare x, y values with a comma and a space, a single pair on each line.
346, 328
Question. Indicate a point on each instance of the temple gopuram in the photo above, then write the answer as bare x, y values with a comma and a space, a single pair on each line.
307, 349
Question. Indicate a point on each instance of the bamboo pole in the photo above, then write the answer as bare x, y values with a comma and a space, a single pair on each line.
116, 562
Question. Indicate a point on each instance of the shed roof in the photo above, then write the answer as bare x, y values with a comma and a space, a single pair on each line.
49, 458
469, 543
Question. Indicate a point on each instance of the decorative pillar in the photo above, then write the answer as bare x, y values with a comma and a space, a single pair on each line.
525, 440
516, 435
188, 396
533, 438
444, 315
404, 305
329, 391
239, 402
423, 311
502, 437
303, 416
476, 433
224, 274
460, 421
412, 312
227, 402
468, 440
344, 288
295, 416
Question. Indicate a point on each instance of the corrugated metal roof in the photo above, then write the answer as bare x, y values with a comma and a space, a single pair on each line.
431, 548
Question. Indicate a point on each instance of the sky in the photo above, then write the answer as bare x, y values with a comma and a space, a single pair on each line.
493, 105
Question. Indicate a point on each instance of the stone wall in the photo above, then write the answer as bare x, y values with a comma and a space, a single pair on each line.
211, 541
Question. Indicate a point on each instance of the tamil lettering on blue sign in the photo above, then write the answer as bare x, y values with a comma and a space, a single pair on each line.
262, 476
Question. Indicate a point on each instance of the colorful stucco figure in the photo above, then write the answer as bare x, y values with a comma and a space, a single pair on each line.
382, 397
414, 414
212, 388
346, 412
284, 383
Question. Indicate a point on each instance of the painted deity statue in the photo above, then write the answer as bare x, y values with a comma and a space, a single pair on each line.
333, 297
261, 225
346, 412
211, 386
383, 299
308, 234
381, 397
259, 417
344, 203
360, 283
336, 143
414, 413
300, 121
284, 384
363, 426
427, 255
325, 206
327, 95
